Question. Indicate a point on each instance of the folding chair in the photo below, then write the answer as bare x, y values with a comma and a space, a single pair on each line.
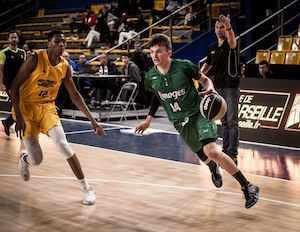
124, 105
262, 55
296, 43
284, 42
277, 57
292, 58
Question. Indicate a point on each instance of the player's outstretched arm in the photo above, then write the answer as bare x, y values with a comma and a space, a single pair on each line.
145, 124
23, 74
79, 102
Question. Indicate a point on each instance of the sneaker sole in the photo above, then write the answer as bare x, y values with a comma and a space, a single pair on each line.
88, 203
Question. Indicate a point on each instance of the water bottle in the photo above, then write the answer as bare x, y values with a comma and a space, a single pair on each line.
100, 70
105, 70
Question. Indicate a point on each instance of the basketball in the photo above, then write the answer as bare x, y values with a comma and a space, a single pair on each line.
213, 107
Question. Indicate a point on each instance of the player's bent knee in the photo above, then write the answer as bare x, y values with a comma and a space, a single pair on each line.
65, 149
211, 151
59, 138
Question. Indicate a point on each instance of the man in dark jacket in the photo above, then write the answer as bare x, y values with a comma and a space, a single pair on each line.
129, 69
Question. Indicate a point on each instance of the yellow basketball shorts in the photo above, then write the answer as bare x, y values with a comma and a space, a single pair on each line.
38, 117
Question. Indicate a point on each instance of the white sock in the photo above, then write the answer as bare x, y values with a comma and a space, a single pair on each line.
84, 184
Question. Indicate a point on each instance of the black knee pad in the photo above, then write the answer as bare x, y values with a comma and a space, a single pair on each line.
201, 155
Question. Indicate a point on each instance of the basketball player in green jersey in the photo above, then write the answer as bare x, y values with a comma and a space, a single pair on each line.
171, 81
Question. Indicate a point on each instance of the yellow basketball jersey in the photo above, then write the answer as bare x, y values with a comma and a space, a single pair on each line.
43, 84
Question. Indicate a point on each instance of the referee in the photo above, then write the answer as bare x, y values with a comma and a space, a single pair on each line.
11, 59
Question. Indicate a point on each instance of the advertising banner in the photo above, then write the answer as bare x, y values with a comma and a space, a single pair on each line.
269, 111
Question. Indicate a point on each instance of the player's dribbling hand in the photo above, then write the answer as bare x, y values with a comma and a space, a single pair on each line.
208, 91
20, 128
141, 127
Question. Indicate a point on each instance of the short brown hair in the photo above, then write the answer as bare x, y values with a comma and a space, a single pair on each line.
160, 40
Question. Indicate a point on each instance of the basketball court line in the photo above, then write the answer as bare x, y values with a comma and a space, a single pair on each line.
89, 131
120, 126
116, 127
176, 133
178, 162
154, 185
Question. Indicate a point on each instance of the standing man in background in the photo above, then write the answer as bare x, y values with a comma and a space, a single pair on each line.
222, 60
11, 59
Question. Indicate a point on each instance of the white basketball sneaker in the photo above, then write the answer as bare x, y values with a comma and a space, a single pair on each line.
23, 166
89, 197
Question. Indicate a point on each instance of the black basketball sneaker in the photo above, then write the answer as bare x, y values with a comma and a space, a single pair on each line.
216, 177
251, 193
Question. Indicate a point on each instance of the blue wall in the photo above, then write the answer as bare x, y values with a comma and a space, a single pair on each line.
197, 50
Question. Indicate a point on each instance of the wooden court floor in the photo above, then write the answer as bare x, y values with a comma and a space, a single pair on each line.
135, 193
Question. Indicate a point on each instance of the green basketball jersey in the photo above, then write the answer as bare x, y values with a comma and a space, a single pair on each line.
175, 90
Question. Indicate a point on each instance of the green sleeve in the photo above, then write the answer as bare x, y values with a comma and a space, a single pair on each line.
2, 58
190, 70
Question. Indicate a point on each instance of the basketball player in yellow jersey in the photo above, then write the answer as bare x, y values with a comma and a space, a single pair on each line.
33, 94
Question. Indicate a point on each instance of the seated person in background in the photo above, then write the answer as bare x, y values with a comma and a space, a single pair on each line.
106, 16
144, 62
27, 50
140, 25
84, 84
88, 22
129, 69
126, 30
94, 34
82, 60
140, 58
264, 71
72, 64
105, 88
169, 9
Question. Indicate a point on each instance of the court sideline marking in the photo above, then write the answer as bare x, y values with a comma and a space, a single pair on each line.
91, 130
116, 127
156, 185
176, 133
